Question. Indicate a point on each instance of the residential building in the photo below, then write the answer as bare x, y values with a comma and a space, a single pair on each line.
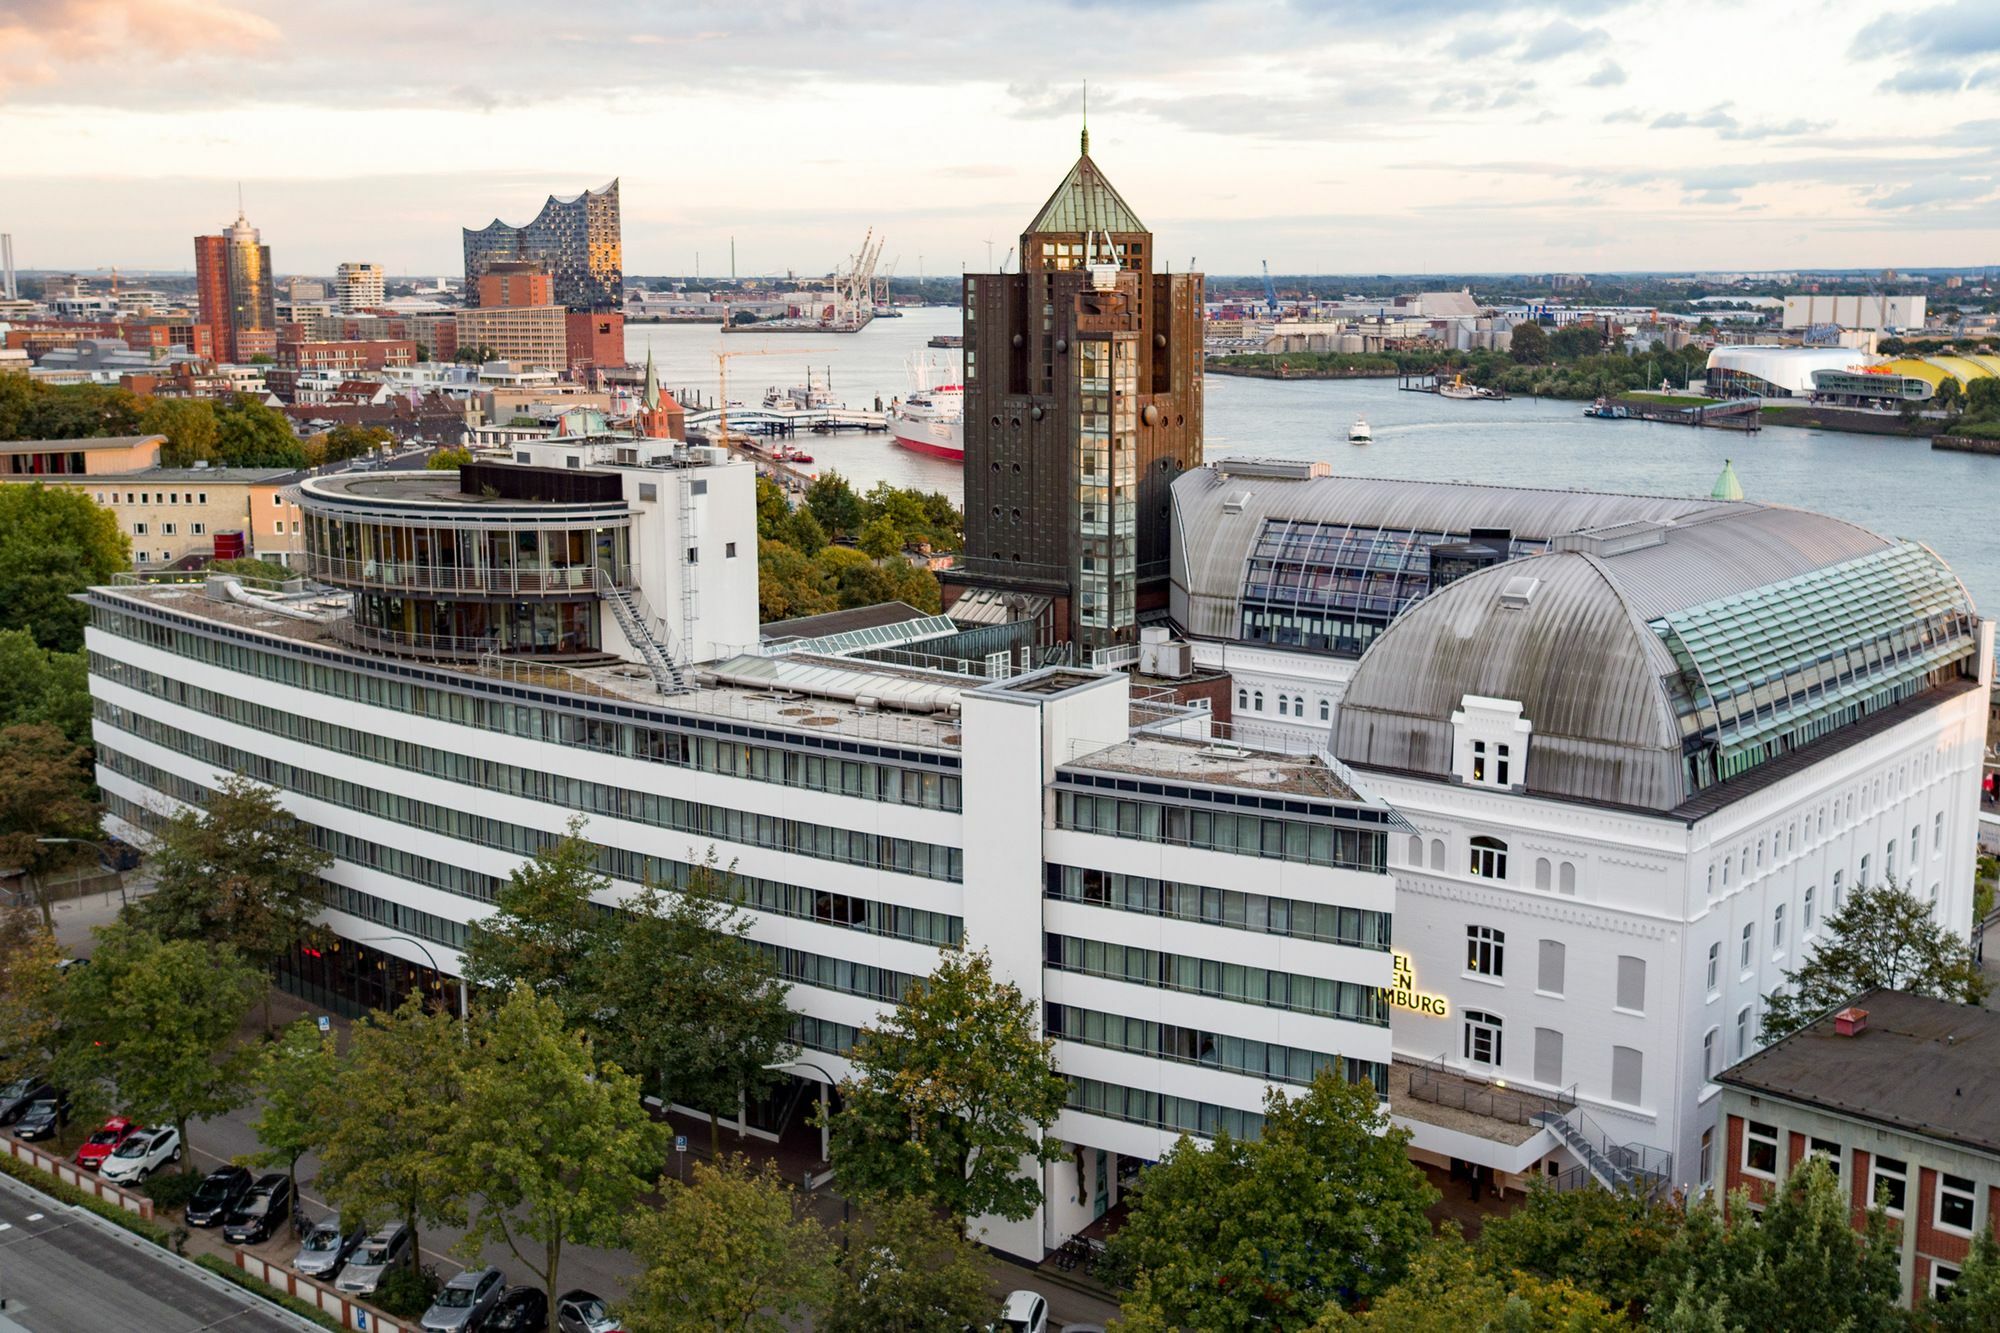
515, 282
532, 335
1194, 923
358, 287
577, 239
1082, 404
346, 356
1900, 1095
596, 339
237, 292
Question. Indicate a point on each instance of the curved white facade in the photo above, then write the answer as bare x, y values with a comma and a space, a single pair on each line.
1789, 369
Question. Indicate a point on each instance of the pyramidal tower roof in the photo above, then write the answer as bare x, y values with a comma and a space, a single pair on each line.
649, 397
1085, 202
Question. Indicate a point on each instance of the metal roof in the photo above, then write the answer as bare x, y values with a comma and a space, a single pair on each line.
1084, 202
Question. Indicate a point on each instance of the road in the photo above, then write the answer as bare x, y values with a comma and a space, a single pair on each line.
63, 1270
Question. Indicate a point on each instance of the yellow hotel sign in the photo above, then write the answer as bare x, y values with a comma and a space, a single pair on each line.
1403, 992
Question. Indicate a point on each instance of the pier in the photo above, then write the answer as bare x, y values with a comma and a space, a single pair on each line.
1741, 414
1432, 381
785, 422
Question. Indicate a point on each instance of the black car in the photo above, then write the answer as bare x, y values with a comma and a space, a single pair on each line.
45, 1116
217, 1196
519, 1310
256, 1218
18, 1096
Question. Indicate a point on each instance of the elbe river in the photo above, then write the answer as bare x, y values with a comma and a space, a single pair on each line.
1898, 487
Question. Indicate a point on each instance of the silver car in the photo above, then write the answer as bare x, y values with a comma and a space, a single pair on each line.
326, 1249
389, 1246
464, 1300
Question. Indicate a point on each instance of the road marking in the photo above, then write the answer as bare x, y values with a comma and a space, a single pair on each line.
6, 1226
34, 1217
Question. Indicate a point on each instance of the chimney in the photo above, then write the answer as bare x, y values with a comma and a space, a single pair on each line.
1851, 1022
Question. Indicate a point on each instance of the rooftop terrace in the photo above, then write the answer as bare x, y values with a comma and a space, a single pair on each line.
1216, 764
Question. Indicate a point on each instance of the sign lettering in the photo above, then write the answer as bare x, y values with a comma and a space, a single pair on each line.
1402, 992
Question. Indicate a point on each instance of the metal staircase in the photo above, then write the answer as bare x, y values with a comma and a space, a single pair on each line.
655, 649
1616, 1166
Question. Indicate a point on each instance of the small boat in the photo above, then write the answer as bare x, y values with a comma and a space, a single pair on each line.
947, 340
787, 454
1359, 433
1458, 388
1608, 410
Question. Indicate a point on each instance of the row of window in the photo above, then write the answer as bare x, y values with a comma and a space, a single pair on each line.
1486, 956
1213, 1050
1159, 1110
1484, 1037
1289, 705
823, 841
1785, 843
1953, 1210
891, 783
765, 895
1486, 858
161, 497
838, 974
1234, 908
1222, 981
394, 915
1221, 831
170, 529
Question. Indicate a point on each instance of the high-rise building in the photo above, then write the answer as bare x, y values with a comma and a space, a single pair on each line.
1082, 404
577, 239
359, 287
514, 282
237, 295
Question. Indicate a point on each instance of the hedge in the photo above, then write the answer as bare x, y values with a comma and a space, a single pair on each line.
70, 1194
265, 1291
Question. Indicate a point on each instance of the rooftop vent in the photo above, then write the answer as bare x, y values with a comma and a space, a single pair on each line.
1519, 592
1284, 469
1234, 504
1613, 539
1851, 1022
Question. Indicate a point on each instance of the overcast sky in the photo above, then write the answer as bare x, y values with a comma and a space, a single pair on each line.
1323, 135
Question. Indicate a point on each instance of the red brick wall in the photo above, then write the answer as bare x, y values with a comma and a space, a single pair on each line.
1795, 1152
1734, 1177
1945, 1245
1862, 1162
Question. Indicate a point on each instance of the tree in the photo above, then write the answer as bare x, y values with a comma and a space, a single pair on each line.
38, 685
297, 1078
250, 433
1324, 1208
448, 460
880, 538
951, 1095
45, 792
54, 543
1973, 1305
695, 1010
30, 995
544, 927
397, 1117
804, 532
908, 1271
1447, 1289
788, 584
562, 1149
731, 1251
1948, 398
1885, 936
157, 1020
241, 870
253, 568
1602, 1241
834, 503
350, 440
1529, 345
189, 425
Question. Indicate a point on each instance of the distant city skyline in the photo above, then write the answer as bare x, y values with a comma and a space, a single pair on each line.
1327, 136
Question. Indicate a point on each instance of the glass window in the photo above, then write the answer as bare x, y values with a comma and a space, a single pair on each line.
1749, 945
1489, 858
1482, 1037
1943, 1278
1955, 1203
1778, 928
1810, 890
1707, 1165
1937, 832
1827, 1149
1760, 1148
1708, 1040
1743, 1032
1485, 951
1714, 966
1888, 1182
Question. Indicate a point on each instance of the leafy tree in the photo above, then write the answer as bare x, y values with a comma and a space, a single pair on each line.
804, 532
1948, 398
1599, 1240
834, 503
1446, 1288
241, 870
157, 1019
33, 411
30, 995
1982, 399
731, 1251
880, 538
1884, 936
544, 927
250, 433
351, 440
1529, 345
562, 1148
251, 567
908, 1271
45, 792
695, 1010
297, 1078
856, 580
397, 1114
773, 510
54, 543
448, 460
189, 425
1973, 1306
788, 584
37, 685
951, 1094
1325, 1207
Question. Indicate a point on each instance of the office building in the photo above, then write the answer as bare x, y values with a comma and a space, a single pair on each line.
514, 282
358, 287
578, 240
1082, 404
236, 291
1877, 313
596, 340
1900, 1095
531, 335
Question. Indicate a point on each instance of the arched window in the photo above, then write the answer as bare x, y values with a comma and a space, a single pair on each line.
1567, 878
1325, 711
1259, 697
1416, 851
1284, 706
1242, 698
1482, 1037
1544, 874
1437, 853
1489, 858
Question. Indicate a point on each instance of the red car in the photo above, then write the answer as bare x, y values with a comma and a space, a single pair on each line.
105, 1142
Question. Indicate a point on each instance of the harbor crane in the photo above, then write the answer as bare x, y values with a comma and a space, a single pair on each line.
722, 360
854, 288
1270, 288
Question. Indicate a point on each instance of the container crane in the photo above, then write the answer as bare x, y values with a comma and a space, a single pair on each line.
1270, 289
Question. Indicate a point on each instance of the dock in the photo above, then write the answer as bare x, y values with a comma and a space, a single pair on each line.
1431, 381
1740, 415
785, 422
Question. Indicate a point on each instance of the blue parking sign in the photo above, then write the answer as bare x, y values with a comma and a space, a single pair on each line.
680, 1143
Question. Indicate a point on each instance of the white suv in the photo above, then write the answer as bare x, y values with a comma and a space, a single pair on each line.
141, 1155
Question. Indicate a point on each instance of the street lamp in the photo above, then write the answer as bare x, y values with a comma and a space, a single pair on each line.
464, 1010
104, 859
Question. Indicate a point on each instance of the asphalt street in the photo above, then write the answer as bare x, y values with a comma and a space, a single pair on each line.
63, 1270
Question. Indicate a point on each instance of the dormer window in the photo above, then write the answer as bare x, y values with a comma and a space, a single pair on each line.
1490, 741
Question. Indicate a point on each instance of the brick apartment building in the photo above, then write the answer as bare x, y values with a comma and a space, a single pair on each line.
1902, 1095
346, 356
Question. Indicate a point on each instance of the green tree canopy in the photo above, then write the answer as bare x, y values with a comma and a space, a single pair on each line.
559, 1148
189, 425
834, 503
30, 995
907, 1270
1973, 1305
1447, 1290
157, 1020
31, 410
54, 542
543, 928
250, 433
1605, 1242
1324, 1208
39, 685
1530, 344
880, 538
296, 1079
1884, 936
732, 1250
788, 584
351, 440
448, 460
46, 791
951, 1093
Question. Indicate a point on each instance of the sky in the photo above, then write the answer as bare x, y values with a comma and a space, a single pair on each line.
1325, 136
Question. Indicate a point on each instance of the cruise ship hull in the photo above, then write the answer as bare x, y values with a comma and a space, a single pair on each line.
932, 439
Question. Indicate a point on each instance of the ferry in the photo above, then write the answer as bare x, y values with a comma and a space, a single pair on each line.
1359, 433
1458, 388
931, 421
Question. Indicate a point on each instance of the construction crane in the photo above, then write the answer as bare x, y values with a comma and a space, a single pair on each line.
722, 360
1007, 259
854, 289
1270, 288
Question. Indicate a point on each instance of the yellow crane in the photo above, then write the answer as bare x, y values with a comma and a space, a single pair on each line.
722, 360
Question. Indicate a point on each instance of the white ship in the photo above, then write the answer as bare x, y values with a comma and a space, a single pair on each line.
931, 421
1359, 433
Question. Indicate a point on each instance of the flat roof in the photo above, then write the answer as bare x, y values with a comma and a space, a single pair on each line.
70, 446
839, 622
1219, 764
1929, 1068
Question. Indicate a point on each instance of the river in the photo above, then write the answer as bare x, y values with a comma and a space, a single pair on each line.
1898, 487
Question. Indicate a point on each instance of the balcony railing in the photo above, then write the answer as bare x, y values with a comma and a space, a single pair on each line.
452, 647
1439, 1084
484, 580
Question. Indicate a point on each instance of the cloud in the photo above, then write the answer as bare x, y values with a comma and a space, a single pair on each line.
1921, 79
1630, 115
1609, 75
1562, 38
1716, 117
40, 37
1954, 30
1475, 42
1041, 100
1937, 189
1787, 129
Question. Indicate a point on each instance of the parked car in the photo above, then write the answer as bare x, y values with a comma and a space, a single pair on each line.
326, 1248
583, 1311
141, 1155
217, 1196
105, 1142
44, 1117
1023, 1312
389, 1246
256, 1219
462, 1302
18, 1096
519, 1310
